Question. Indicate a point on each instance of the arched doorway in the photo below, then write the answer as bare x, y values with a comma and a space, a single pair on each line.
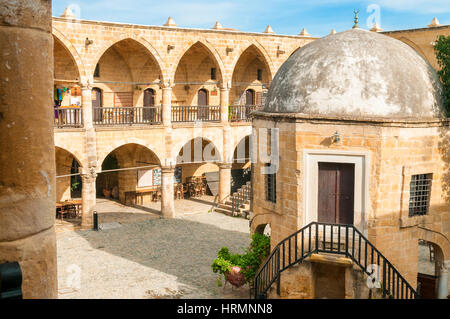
202, 101
149, 103
97, 103
250, 97
68, 185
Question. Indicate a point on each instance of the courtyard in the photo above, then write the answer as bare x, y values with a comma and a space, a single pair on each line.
137, 254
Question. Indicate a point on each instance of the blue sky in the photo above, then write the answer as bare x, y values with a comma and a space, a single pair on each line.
285, 16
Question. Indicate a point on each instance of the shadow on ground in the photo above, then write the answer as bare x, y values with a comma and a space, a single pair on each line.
178, 247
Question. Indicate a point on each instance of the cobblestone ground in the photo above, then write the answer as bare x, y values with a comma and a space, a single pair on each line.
140, 255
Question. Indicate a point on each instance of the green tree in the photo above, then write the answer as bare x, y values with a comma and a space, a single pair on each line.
442, 49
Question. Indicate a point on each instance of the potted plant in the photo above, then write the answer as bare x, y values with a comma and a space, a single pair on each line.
239, 269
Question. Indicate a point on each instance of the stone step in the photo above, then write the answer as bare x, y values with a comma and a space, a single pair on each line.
225, 206
223, 211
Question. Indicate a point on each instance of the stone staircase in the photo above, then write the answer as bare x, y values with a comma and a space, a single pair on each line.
241, 202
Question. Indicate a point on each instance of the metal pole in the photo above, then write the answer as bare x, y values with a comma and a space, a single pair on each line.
95, 221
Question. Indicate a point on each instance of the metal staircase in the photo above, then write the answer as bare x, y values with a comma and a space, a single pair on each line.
337, 239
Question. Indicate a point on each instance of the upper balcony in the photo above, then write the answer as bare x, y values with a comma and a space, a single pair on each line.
72, 117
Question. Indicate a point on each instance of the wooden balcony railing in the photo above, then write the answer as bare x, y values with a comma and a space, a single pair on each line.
195, 113
126, 115
68, 117
241, 113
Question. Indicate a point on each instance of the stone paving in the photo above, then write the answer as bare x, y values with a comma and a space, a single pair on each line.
140, 255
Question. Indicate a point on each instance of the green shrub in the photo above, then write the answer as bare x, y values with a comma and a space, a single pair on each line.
249, 262
442, 49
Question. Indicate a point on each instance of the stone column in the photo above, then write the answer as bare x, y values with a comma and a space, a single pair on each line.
86, 104
167, 200
224, 102
443, 281
27, 155
167, 106
224, 181
88, 198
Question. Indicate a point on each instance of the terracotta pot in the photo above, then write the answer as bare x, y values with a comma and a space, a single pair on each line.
106, 193
235, 277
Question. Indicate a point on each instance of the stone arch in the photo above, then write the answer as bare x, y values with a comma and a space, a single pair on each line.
209, 48
260, 48
75, 154
117, 144
242, 142
64, 164
214, 141
259, 222
73, 52
437, 239
142, 41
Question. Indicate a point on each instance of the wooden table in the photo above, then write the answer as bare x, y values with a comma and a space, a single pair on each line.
66, 206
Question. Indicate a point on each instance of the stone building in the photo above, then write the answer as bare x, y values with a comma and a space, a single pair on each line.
125, 96
362, 142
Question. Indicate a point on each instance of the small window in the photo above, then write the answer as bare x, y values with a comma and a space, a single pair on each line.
259, 75
419, 194
97, 71
213, 74
271, 187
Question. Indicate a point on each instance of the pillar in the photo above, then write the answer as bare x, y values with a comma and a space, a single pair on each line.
443, 281
27, 156
167, 106
167, 199
86, 104
224, 101
224, 181
88, 198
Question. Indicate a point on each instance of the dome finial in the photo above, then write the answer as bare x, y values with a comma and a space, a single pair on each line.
68, 14
304, 33
356, 26
333, 31
434, 23
217, 26
376, 27
269, 29
170, 23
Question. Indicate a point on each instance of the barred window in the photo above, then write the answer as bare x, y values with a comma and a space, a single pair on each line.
213, 74
271, 187
419, 194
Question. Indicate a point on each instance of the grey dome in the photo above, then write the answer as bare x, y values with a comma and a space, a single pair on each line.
356, 73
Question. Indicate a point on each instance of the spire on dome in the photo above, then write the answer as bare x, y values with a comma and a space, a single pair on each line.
376, 28
217, 26
269, 29
333, 31
170, 23
304, 33
68, 14
434, 23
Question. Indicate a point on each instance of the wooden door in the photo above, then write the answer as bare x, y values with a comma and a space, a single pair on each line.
249, 97
336, 193
96, 104
149, 101
202, 98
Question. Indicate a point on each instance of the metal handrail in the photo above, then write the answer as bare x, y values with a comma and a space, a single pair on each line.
68, 117
127, 115
193, 113
241, 113
342, 239
241, 196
